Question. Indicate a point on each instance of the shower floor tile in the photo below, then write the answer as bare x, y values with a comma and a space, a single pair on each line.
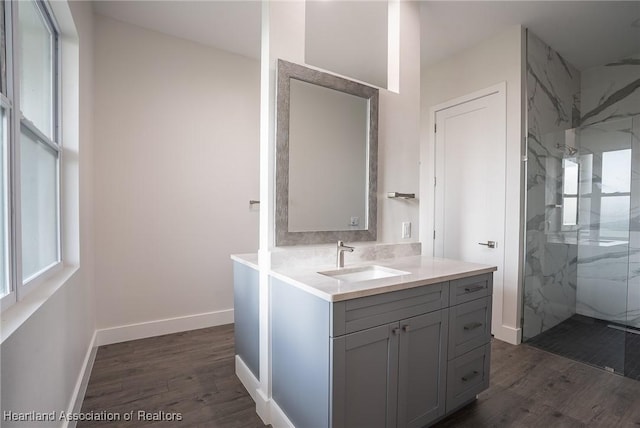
591, 341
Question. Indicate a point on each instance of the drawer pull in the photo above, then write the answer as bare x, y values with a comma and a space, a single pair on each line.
472, 326
395, 331
467, 378
406, 327
473, 289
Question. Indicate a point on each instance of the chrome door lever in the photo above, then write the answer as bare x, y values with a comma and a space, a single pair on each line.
490, 244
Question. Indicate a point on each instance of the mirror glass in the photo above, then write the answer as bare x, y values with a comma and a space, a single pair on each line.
334, 123
326, 158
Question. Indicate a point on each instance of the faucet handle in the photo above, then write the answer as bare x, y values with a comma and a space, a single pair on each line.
343, 247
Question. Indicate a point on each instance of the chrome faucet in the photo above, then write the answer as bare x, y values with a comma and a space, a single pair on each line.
341, 249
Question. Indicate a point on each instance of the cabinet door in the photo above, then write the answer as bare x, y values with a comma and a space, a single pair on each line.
422, 369
364, 381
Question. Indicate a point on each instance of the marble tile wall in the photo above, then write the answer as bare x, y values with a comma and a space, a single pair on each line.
611, 91
325, 255
553, 109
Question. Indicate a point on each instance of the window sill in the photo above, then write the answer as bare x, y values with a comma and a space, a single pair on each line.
18, 313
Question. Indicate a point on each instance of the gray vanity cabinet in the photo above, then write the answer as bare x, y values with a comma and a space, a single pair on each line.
392, 375
379, 361
246, 290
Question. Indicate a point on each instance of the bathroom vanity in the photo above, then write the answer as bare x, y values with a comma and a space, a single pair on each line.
393, 343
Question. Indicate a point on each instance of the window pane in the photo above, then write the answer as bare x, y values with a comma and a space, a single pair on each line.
36, 69
39, 206
614, 217
616, 171
4, 274
570, 211
570, 179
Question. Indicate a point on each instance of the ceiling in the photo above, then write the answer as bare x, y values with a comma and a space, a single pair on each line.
586, 33
229, 25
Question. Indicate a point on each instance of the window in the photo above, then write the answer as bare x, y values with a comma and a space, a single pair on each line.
615, 197
570, 169
30, 156
4, 218
5, 111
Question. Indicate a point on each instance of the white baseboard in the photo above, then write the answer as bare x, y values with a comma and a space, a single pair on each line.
278, 418
263, 408
268, 410
508, 334
248, 380
75, 404
252, 385
143, 330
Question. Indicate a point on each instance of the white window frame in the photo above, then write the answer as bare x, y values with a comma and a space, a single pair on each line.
18, 288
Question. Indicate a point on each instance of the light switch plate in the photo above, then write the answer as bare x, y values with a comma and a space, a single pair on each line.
406, 229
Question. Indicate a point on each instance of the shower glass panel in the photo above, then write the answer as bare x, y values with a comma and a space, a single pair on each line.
582, 267
632, 337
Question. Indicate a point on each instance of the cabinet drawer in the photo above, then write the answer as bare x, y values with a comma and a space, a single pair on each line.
469, 326
467, 376
471, 288
366, 312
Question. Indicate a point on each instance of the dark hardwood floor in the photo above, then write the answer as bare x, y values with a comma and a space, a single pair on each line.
533, 388
192, 373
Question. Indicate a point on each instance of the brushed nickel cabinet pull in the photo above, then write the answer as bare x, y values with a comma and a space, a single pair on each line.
470, 376
472, 326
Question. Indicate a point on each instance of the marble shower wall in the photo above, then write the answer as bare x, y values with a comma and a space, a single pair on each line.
553, 110
611, 91
609, 276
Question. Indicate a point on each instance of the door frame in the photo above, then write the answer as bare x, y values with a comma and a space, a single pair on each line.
511, 334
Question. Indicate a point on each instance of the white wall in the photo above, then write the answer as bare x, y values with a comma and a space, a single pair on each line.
176, 163
348, 38
44, 358
499, 59
399, 136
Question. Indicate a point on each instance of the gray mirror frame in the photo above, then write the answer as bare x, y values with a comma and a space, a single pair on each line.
286, 72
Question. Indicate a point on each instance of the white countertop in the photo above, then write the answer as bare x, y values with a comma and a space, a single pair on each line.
422, 270
250, 260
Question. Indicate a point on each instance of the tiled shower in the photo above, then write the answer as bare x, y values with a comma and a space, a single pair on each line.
582, 266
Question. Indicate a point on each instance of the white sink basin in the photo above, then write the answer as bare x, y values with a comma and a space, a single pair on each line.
362, 273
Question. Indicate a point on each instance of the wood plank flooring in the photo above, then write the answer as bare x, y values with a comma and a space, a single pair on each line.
533, 388
193, 373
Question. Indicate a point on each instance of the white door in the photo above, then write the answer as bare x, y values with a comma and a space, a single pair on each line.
470, 146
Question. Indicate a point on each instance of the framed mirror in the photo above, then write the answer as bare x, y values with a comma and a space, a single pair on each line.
326, 158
